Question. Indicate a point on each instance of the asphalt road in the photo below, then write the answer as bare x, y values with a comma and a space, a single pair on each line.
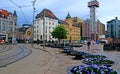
13, 53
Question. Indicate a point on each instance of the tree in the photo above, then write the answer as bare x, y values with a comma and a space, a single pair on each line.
59, 32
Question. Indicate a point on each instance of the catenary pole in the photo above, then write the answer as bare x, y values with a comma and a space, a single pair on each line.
33, 3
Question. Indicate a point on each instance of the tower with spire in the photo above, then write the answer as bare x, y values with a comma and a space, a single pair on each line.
69, 19
14, 13
15, 26
15, 17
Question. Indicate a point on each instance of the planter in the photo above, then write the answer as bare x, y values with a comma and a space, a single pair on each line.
98, 61
95, 56
79, 55
68, 49
91, 69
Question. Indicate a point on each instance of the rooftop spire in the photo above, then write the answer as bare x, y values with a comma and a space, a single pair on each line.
68, 16
15, 14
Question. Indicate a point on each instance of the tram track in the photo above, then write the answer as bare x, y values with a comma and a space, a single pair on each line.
8, 51
19, 53
2, 49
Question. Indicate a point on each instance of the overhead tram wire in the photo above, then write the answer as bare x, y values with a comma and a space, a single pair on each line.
21, 9
18, 5
8, 7
14, 3
25, 6
15, 6
23, 15
36, 4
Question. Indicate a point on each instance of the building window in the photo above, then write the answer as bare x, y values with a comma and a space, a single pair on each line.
3, 22
10, 29
53, 23
37, 31
119, 26
0, 21
10, 23
34, 27
49, 23
37, 22
10, 17
37, 36
49, 37
41, 37
3, 28
46, 22
119, 33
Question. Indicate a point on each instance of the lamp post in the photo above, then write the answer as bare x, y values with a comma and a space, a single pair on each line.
70, 37
33, 23
6, 36
43, 29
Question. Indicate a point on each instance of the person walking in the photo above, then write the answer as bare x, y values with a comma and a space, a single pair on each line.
88, 44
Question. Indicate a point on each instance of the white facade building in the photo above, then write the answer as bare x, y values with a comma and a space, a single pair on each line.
50, 22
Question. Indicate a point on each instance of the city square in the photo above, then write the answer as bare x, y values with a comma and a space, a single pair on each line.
59, 37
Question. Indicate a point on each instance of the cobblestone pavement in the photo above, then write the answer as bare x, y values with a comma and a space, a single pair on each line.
113, 55
61, 61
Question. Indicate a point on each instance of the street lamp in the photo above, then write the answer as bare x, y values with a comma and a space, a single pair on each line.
70, 36
43, 29
6, 36
33, 22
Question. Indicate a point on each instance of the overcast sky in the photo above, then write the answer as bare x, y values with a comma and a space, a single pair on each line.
109, 9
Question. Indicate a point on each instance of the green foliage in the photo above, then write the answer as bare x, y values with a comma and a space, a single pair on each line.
59, 32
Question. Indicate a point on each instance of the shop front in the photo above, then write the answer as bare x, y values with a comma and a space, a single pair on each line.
2, 38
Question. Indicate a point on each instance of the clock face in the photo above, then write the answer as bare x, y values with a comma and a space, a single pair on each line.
28, 33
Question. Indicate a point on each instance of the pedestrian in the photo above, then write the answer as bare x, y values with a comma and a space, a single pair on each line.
88, 44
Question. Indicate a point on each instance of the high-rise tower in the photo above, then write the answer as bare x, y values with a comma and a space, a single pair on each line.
93, 26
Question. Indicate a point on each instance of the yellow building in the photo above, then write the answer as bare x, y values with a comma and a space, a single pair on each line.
69, 21
76, 26
73, 28
75, 31
66, 26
